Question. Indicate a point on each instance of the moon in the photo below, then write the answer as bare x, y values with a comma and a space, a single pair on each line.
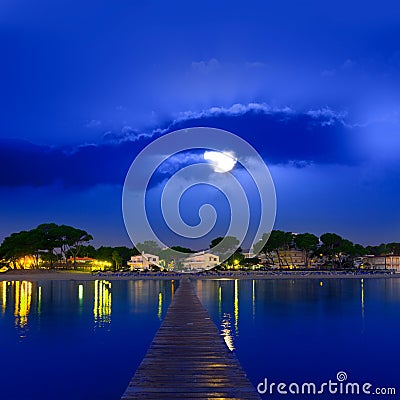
221, 161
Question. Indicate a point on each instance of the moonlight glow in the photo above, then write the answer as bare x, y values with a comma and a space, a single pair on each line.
222, 161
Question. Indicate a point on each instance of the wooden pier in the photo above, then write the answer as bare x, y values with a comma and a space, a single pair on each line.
188, 358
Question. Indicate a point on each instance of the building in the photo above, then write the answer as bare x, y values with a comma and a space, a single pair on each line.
200, 261
284, 259
143, 261
89, 264
383, 262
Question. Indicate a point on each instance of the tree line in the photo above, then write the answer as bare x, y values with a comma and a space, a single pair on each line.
330, 248
53, 244
50, 245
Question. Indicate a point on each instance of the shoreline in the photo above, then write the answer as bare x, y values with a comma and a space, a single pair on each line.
86, 276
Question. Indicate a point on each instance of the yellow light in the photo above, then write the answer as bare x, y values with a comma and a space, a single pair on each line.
362, 298
27, 262
102, 303
227, 333
80, 293
23, 298
220, 301
236, 307
3, 297
39, 303
254, 298
160, 301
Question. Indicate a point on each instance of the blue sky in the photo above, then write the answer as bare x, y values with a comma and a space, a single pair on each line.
313, 86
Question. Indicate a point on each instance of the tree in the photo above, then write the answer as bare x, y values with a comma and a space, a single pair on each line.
72, 240
380, 250
345, 253
117, 259
224, 244
306, 242
393, 248
49, 238
15, 247
150, 247
104, 253
359, 250
235, 259
86, 251
330, 242
174, 255
340, 252
43, 241
277, 241
182, 249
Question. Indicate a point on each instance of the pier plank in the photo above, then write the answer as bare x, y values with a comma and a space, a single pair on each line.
188, 358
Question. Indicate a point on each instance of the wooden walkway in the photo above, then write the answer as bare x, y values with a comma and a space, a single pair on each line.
188, 358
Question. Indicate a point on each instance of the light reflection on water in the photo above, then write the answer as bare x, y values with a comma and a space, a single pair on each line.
20, 295
62, 325
309, 329
102, 303
226, 331
286, 330
22, 303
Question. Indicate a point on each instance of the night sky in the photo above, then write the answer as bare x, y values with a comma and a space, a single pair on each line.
312, 85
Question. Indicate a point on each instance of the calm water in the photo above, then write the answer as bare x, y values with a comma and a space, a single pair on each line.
71, 340
84, 340
309, 330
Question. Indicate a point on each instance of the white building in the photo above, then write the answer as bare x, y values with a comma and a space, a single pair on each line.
200, 261
384, 262
143, 261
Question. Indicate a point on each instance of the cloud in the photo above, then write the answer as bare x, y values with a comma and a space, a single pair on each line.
282, 136
94, 123
326, 116
348, 64
126, 134
205, 67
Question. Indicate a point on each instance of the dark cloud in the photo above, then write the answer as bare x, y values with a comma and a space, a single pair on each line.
282, 136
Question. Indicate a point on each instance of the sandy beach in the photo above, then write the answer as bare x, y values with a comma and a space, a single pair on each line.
41, 275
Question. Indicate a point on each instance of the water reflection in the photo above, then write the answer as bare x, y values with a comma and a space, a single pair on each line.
253, 297
241, 304
102, 303
22, 304
62, 324
224, 295
160, 303
3, 297
39, 300
362, 306
362, 298
27, 306
236, 307
219, 301
226, 331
